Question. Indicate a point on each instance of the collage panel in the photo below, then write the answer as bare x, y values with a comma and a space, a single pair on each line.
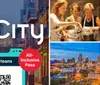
74, 63
74, 42
74, 20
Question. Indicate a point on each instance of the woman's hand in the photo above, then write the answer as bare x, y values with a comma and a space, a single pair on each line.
78, 25
98, 21
66, 36
95, 29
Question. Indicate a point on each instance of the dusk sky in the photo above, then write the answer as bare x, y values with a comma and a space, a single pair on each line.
10, 11
70, 50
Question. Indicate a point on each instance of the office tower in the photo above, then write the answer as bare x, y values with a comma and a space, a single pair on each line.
80, 58
99, 58
86, 59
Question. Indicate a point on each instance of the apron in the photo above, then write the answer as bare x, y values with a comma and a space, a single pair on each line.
96, 34
87, 34
75, 36
85, 22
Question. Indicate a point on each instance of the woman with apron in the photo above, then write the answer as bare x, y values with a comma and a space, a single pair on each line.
90, 24
75, 18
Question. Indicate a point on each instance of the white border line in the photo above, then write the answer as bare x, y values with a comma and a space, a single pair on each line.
75, 42
49, 39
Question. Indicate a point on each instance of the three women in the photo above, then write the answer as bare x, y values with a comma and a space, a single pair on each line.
58, 25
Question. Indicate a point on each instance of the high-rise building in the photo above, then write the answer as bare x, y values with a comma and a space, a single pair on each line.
71, 60
33, 9
19, 42
80, 58
22, 16
68, 60
99, 58
32, 13
29, 10
29, 4
63, 61
86, 59
29, 15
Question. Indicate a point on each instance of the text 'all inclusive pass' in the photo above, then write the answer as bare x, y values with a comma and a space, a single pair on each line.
30, 59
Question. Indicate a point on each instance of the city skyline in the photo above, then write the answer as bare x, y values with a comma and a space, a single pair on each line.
71, 59
71, 50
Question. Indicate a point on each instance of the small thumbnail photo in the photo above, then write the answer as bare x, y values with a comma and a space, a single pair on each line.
75, 64
74, 20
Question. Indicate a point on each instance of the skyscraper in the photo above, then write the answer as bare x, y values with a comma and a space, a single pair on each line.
99, 58
22, 16
32, 13
29, 15
86, 59
29, 10
63, 61
80, 58
73, 60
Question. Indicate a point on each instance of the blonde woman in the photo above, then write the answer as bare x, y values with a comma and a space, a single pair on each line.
57, 20
91, 22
